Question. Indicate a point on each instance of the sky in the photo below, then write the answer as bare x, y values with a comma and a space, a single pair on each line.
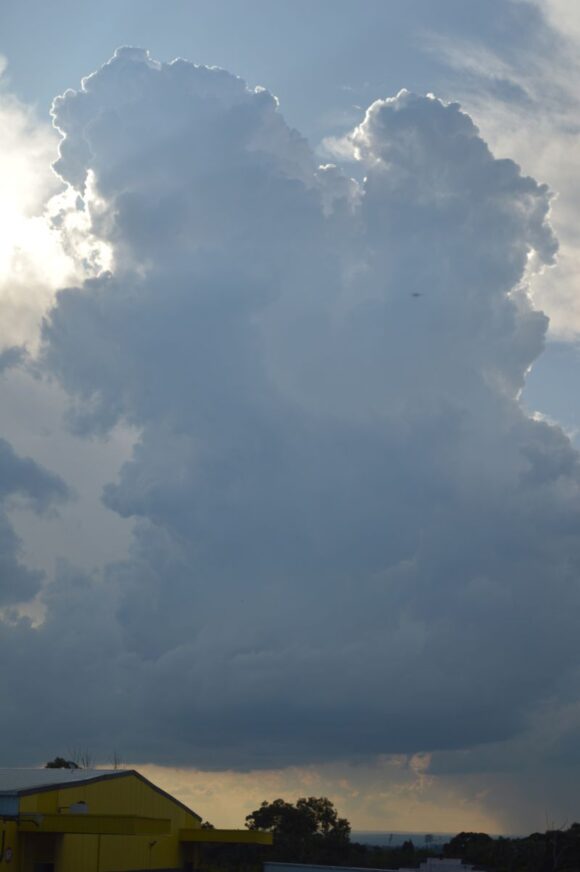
289, 348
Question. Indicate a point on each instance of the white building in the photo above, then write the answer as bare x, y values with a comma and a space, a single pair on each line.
432, 864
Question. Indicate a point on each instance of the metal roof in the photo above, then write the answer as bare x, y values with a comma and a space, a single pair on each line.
20, 780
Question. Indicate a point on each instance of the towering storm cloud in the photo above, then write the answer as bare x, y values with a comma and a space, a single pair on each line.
350, 539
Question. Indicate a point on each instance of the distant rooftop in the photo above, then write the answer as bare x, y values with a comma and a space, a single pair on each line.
18, 780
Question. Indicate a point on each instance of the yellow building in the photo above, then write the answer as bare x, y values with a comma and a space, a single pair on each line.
82, 820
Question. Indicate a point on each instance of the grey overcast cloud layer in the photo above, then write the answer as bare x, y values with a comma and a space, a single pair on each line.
348, 536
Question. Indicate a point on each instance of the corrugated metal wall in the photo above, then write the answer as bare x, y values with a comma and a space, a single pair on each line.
122, 795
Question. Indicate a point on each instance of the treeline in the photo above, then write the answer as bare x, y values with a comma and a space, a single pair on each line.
552, 851
310, 831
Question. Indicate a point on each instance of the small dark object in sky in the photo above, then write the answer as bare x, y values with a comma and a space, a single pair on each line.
416, 294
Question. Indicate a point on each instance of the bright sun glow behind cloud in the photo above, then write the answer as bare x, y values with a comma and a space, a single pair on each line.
44, 242
31, 255
29, 243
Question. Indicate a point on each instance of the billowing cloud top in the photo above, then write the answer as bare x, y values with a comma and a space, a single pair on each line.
350, 539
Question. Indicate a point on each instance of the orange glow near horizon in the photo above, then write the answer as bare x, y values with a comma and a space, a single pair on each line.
370, 797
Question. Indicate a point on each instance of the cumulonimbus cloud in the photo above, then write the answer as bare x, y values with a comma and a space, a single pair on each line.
350, 538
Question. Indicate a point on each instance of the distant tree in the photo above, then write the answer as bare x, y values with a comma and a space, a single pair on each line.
116, 760
561, 849
325, 818
82, 757
408, 848
61, 763
310, 830
476, 848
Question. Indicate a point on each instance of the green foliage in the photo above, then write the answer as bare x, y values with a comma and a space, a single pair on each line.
552, 851
309, 831
61, 763
476, 848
